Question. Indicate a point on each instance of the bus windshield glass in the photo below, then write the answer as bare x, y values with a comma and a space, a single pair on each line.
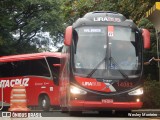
104, 51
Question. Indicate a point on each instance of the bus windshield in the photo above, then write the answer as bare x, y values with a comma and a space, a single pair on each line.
103, 52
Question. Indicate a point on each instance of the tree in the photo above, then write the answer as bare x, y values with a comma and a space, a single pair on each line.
21, 20
133, 9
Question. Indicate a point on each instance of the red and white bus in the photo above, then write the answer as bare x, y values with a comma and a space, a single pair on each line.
38, 72
102, 63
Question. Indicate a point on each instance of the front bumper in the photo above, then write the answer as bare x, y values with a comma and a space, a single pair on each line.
96, 105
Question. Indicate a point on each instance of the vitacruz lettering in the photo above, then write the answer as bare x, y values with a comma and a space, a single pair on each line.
11, 83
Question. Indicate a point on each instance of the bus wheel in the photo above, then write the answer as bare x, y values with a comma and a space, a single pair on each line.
44, 102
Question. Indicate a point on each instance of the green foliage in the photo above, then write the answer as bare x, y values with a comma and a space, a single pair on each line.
25, 19
151, 94
73, 9
133, 9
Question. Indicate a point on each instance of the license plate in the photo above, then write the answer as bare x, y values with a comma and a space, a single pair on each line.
107, 100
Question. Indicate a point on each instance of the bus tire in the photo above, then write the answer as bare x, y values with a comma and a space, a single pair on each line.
44, 102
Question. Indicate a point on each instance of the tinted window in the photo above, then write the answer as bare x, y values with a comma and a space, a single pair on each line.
24, 68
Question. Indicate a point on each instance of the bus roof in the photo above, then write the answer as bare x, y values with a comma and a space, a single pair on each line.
31, 56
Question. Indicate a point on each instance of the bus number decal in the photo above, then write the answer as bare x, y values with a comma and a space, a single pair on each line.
11, 83
125, 84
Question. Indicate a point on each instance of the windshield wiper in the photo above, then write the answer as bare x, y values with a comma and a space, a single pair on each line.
91, 73
119, 68
111, 58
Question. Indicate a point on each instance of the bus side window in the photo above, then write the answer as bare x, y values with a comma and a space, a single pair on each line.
39, 67
6, 69
21, 68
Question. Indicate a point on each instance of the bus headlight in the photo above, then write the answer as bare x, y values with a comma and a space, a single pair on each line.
138, 91
75, 90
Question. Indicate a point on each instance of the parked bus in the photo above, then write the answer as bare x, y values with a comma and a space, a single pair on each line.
102, 63
38, 72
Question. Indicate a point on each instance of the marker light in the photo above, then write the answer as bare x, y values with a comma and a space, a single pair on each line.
138, 91
75, 90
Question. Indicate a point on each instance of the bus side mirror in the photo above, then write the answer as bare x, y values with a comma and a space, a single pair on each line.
146, 38
68, 36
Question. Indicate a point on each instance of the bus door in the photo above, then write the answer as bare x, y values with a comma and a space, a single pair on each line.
54, 66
